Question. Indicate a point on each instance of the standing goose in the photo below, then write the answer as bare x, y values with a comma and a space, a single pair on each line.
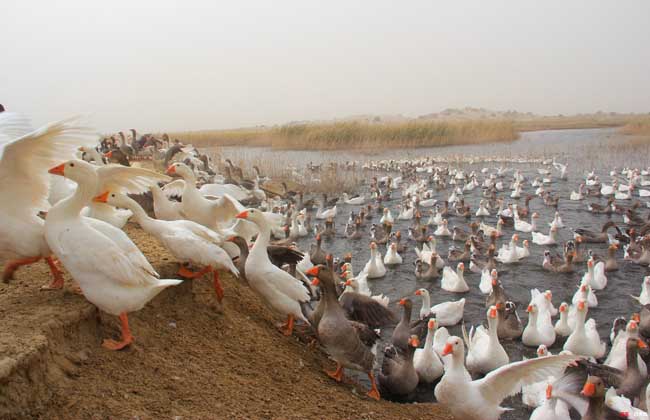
349, 343
398, 376
112, 272
25, 156
186, 240
281, 291
426, 361
485, 353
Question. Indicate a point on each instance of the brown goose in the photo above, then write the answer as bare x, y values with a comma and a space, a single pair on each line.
349, 343
398, 376
405, 328
316, 253
432, 272
361, 308
279, 255
592, 237
561, 267
458, 255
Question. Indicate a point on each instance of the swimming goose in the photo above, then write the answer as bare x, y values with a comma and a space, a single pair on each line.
442, 229
617, 355
25, 156
523, 226
374, 268
281, 291
447, 314
481, 399
584, 340
595, 275
349, 343
357, 200
541, 239
111, 271
644, 297
425, 360
187, 241
482, 211
539, 329
484, 351
392, 257
454, 282
432, 271
577, 196
562, 325
595, 237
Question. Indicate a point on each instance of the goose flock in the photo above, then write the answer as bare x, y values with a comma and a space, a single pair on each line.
455, 239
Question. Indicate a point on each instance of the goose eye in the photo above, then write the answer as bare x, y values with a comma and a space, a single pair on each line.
113, 195
72, 165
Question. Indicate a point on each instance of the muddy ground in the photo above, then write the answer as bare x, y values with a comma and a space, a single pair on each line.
191, 359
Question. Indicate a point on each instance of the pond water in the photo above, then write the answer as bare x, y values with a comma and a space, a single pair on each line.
581, 149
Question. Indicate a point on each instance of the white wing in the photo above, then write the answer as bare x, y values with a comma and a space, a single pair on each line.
127, 179
174, 188
24, 161
507, 380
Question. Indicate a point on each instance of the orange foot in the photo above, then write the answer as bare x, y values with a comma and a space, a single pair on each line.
287, 327
337, 375
12, 266
218, 289
57, 276
116, 345
374, 394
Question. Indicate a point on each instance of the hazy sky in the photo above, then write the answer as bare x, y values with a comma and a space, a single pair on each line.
166, 65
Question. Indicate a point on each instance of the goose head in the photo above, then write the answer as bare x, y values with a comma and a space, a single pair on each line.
76, 170
542, 351
454, 346
113, 198
179, 169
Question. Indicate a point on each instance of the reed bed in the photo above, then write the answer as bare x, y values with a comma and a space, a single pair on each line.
640, 126
358, 135
572, 122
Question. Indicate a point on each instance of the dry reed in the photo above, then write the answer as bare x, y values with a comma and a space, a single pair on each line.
358, 135
640, 126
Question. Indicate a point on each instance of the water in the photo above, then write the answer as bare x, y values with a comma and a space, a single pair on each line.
582, 149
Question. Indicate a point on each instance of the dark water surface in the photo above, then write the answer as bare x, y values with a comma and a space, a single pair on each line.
583, 150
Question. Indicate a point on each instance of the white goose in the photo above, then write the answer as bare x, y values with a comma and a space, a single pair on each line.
577, 196
426, 361
447, 313
484, 351
595, 275
25, 156
644, 297
186, 240
454, 282
281, 290
163, 208
541, 239
538, 330
353, 201
489, 230
562, 325
392, 257
212, 214
112, 272
509, 254
387, 217
374, 268
617, 357
523, 226
482, 211
557, 221
584, 339
442, 229
481, 399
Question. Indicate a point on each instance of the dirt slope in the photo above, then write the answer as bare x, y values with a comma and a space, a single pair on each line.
190, 360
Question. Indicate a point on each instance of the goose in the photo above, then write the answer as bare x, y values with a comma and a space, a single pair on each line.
489, 230
624, 195
617, 355
594, 237
352, 286
387, 217
489, 279
623, 406
586, 293
25, 156
435, 218
525, 227
557, 221
482, 211
187, 241
584, 339
481, 399
509, 254
349, 343
406, 213
426, 361
431, 272
484, 351
163, 208
595, 275
447, 314
454, 282
551, 408
538, 331
196, 207
398, 376
392, 257
111, 271
442, 229
562, 325
281, 291
541, 239
353, 201
577, 196
644, 297
374, 268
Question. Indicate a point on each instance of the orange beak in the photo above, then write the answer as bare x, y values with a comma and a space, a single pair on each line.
418, 293
448, 349
57, 170
493, 312
242, 215
499, 306
529, 309
414, 341
588, 390
171, 170
402, 302
315, 281
101, 198
348, 282
432, 324
581, 305
314, 271
549, 391
108, 154
642, 344
562, 308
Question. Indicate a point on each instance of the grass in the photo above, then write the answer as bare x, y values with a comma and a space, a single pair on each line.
572, 122
639, 126
358, 135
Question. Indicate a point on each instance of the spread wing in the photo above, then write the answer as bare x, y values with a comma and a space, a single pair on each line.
507, 380
174, 188
127, 179
26, 155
